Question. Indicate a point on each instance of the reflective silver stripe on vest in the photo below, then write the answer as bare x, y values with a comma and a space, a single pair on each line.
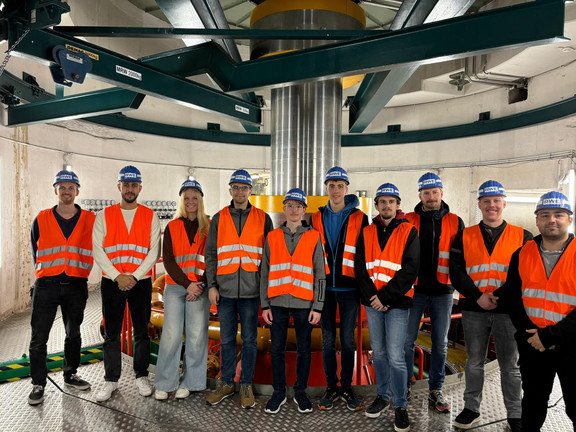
370, 265
561, 298
195, 270
444, 255
347, 262
282, 281
478, 268
534, 312
351, 249
382, 277
443, 269
499, 267
228, 261
125, 259
48, 264
80, 264
481, 283
184, 258
50, 251
256, 262
534, 293
496, 283
389, 265
80, 251
122, 247
251, 249
303, 269
554, 316
278, 267
303, 284
228, 248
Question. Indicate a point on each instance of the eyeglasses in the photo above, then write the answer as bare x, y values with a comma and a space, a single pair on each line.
294, 206
240, 188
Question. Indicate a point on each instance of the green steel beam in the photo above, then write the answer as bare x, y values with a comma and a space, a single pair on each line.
527, 24
73, 107
377, 89
130, 74
211, 33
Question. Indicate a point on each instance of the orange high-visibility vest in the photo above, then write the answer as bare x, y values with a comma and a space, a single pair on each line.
127, 251
547, 300
352, 233
56, 254
447, 234
189, 257
382, 265
292, 274
489, 271
245, 250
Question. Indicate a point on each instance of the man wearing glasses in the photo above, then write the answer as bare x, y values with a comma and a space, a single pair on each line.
233, 254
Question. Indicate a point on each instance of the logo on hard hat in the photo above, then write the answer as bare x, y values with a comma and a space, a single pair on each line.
388, 190
554, 201
489, 189
335, 174
130, 175
429, 182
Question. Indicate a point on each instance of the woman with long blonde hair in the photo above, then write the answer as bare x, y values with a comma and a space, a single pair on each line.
186, 303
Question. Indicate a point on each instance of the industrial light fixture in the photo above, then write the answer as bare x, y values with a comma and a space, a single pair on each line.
66, 158
191, 173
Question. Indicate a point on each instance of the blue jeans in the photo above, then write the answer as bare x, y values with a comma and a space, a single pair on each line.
477, 329
228, 312
440, 308
387, 338
46, 296
193, 315
278, 333
348, 303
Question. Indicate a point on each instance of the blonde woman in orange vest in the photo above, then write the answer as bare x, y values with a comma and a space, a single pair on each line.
233, 254
479, 260
186, 303
292, 285
126, 242
61, 239
541, 293
387, 260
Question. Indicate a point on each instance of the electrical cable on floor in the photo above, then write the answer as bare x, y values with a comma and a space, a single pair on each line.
147, 420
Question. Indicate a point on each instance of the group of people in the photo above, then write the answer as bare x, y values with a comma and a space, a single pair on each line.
518, 289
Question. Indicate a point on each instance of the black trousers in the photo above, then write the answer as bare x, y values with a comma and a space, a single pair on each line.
47, 295
538, 370
113, 305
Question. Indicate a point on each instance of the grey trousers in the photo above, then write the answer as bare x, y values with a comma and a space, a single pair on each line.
477, 329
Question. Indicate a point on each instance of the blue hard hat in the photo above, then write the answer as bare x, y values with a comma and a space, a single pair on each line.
191, 184
553, 200
66, 176
295, 195
241, 176
491, 188
129, 174
429, 181
337, 173
387, 189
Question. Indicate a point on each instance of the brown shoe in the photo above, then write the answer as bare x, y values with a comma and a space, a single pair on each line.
247, 397
222, 391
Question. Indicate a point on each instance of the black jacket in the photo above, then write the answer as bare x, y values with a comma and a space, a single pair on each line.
458, 276
335, 278
561, 334
393, 294
429, 234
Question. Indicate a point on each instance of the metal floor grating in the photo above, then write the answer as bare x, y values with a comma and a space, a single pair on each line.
71, 410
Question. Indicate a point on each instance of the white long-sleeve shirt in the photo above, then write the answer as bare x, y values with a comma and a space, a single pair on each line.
99, 233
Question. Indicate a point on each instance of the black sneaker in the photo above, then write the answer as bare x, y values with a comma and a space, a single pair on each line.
275, 403
401, 420
76, 382
304, 404
515, 424
466, 419
349, 398
36, 396
376, 408
330, 396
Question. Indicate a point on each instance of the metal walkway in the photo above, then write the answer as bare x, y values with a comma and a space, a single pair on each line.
71, 410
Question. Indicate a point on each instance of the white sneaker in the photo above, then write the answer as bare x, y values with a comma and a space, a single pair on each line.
144, 387
160, 395
106, 391
182, 393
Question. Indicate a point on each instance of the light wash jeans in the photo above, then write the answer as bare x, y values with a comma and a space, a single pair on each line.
477, 329
387, 338
192, 316
440, 308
